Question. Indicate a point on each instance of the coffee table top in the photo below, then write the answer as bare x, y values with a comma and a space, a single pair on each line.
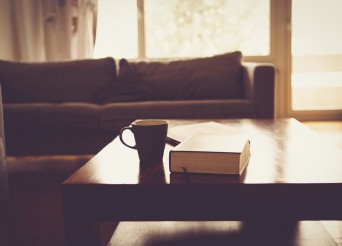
283, 151
293, 174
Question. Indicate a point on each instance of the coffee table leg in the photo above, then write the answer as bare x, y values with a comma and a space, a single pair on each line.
81, 232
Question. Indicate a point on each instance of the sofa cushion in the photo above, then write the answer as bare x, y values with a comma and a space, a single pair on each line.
69, 81
113, 116
128, 87
217, 77
51, 117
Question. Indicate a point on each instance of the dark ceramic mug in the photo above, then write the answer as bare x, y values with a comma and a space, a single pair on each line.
150, 139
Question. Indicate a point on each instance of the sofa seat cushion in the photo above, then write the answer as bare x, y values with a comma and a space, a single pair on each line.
113, 116
216, 77
49, 117
68, 81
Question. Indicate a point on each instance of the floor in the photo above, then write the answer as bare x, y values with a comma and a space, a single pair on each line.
35, 208
332, 132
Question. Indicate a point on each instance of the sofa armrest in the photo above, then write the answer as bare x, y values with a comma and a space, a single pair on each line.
259, 83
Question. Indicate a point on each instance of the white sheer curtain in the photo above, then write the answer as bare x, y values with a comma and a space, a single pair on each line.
47, 30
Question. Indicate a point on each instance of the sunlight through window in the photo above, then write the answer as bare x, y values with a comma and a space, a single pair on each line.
182, 28
316, 54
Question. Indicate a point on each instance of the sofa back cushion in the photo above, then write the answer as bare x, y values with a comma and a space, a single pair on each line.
67, 81
127, 88
216, 77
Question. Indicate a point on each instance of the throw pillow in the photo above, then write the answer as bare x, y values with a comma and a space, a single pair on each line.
216, 77
66, 81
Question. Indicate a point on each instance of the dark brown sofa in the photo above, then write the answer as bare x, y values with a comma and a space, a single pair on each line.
77, 107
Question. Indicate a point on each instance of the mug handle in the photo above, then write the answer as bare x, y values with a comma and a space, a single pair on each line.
121, 138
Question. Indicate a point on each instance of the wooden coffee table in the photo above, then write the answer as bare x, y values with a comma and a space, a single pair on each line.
292, 175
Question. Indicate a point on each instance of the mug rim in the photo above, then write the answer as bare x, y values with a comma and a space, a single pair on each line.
149, 122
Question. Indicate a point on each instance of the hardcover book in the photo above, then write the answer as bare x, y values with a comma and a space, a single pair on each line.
216, 154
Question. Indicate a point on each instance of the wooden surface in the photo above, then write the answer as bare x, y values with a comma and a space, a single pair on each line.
292, 174
283, 151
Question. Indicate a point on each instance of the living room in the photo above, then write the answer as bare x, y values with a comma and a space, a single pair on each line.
287, 36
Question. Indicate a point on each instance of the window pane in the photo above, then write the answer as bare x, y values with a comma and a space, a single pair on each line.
117, 29
189, 28
316, 54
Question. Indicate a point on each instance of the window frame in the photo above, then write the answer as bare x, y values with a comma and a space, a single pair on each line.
301, 114
142, 43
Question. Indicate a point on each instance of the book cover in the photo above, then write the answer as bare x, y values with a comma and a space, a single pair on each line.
217, 154
178, 134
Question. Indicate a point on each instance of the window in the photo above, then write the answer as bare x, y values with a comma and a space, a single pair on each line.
182, 28
316, 55
117, 29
